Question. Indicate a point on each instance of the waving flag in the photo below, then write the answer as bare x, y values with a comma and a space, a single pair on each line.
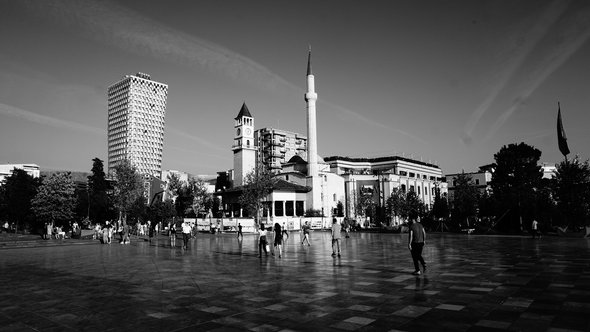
561, 138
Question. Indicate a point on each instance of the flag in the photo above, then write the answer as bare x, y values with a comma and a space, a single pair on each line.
561, 138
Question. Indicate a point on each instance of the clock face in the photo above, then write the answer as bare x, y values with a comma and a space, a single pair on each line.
248, 131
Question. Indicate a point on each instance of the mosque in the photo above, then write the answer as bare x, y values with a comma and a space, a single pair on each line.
306, 184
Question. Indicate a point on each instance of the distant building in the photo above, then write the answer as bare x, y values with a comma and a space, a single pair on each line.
276, 147
137, 108
549, 170
6, 170
378, 177
480, 180
304, 183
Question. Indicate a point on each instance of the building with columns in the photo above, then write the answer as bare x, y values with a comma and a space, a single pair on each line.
306, 182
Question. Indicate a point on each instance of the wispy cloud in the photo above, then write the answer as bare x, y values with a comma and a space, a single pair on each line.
517, 46
570, 34
47, 120
203, 142
128, 30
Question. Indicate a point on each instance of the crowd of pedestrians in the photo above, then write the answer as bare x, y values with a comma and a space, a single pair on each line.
280, 234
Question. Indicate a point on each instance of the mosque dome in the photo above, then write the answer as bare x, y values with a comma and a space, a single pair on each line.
301, 157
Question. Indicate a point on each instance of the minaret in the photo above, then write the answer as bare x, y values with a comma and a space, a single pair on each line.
313, 180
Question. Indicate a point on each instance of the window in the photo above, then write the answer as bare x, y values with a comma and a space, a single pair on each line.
334, 197
412, 175
412, 188
477, 181
279, 208
418, 190
403, 188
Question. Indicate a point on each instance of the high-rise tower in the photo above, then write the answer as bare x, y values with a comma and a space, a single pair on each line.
244, 145
313, 179
137, 107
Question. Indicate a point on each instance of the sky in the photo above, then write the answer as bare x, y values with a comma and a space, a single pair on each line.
445, 82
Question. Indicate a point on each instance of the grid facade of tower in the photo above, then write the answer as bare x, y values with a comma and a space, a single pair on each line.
276, 147
137, 110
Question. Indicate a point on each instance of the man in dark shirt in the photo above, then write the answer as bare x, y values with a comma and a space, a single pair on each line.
416, 240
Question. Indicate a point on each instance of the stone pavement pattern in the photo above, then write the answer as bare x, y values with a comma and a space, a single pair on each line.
474, 283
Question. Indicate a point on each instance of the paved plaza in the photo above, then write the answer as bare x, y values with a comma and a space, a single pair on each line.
474, 283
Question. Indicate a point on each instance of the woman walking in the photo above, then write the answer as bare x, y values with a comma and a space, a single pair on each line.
278, 239
172, 234
262, 243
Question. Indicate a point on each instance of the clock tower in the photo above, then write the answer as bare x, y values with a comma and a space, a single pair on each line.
244, 146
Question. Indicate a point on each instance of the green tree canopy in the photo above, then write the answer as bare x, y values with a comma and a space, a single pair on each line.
128, 187
55, 201
101, 207
16, 194
572, 192
257, 186
202, 199
514, 182
465, 200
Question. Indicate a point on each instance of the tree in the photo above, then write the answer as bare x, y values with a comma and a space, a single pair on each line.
17, 192
465, 200
174, 185
55, 201
413, 207
161, 211
572, 192
340, 209
514, 183
440, 207
184, 198
394, 204
202, 200
128, 187
100, 208
365, 203
257, 186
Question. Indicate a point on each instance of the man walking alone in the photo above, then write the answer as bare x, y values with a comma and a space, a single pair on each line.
416, 241
336, 236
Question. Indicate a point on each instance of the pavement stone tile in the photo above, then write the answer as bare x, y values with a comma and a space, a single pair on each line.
474, 283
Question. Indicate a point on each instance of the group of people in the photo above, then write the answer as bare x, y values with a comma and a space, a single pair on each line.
52, 231
416, 240
106, 233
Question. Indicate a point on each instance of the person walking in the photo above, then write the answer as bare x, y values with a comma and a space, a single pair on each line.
336, 236
240, 234
49, 230
278, 239
262, 243
535, 229
416, 241
172, 233
125, 233
186, 233
285, 232
305, 230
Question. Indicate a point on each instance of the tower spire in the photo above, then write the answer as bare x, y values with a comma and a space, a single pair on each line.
309, 72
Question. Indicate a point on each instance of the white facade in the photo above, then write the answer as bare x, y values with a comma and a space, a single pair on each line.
380, 176
137, 110
6, 170
244, 147
314, 199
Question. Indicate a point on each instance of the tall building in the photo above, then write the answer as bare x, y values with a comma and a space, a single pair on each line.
137, 107
276, 147
244, 147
